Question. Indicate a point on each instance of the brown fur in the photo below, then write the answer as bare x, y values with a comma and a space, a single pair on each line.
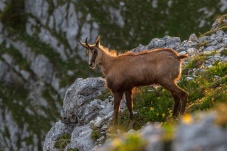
126, 71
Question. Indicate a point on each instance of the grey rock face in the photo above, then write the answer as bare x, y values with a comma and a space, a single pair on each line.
75, 104
81, 138
43, 68
203, 135
193, 38
4, 68
153, 133
81, 113
165, 42
63, 19
55, 132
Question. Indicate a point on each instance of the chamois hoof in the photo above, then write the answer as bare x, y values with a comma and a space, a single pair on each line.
131, 124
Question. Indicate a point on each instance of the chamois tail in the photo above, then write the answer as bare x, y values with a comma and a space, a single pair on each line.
181, 57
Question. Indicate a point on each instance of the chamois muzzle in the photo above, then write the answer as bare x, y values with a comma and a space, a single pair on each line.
92, 65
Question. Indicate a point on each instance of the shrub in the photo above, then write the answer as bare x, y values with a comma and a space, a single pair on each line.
13, 15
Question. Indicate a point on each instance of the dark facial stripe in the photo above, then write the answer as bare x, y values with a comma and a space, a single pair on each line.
94, 56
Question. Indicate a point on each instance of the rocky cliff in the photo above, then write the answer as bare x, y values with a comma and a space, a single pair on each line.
87, 116
37, 63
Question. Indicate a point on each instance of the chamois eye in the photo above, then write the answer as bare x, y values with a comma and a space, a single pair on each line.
95, 51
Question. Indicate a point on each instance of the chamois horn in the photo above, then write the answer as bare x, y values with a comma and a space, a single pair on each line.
85, 45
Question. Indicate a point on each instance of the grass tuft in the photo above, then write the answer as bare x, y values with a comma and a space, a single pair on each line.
62, 142
95, 134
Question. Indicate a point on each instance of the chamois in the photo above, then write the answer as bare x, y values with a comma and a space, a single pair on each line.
125, 71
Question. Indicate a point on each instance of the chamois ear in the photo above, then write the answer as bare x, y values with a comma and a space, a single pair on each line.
97, 43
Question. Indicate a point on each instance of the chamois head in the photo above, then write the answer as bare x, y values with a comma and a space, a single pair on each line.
93, 52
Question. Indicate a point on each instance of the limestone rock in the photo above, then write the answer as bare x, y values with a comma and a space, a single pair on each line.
81, 138
202, 135
193, 38
55, 132
76, 105
81, 113
43, 68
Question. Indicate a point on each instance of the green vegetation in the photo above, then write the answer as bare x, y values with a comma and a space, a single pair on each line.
208, 89
15, 98
224, 52
95, 134
197, 61
222, 26
105, 94
163, 19
73, 149
130, 142
13, 15
201, 44
17, 56
51, 96
62, 142
8, 99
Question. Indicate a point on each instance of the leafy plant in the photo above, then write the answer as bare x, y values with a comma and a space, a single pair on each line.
95, 134
130, 142
62, 142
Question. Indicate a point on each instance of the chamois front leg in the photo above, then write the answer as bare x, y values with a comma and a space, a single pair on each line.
117, 101
129, 102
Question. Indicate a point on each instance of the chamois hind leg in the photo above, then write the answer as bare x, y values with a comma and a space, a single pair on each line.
176, 91
176, 105
129, 103
117, 101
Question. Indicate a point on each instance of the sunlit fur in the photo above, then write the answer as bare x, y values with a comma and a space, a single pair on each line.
125, 71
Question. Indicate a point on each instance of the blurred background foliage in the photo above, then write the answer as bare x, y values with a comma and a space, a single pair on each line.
144, 20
